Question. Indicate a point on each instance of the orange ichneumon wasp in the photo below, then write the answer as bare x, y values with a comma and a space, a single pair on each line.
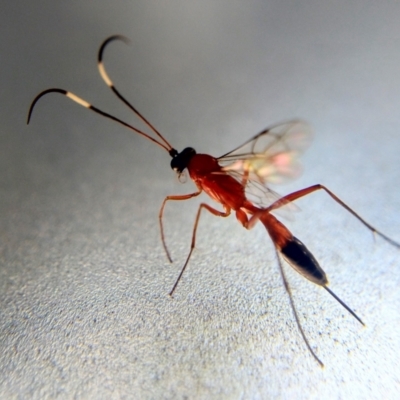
238, 182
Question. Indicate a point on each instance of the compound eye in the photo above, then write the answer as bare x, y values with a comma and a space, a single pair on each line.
176, 165
180, 161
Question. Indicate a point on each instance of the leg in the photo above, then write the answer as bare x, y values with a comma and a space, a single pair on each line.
247, 222
304, 192
289, 292
192, 245
160, 215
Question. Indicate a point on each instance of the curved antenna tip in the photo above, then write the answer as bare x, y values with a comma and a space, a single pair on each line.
41, 94
107, 41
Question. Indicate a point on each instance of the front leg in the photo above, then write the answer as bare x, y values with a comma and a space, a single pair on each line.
193, 243
160, 215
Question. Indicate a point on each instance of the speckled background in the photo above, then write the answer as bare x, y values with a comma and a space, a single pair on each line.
84, 282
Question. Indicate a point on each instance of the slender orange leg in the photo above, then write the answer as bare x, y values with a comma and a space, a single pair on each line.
160, 215
257, 213
255, 218
304, 192
193, 243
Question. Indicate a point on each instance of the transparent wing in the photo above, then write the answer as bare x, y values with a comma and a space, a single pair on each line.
258, 193
271, 156
263, 196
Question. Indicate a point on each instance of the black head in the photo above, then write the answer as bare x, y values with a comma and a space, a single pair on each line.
181, 160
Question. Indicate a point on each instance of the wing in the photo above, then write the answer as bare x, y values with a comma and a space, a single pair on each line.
271, 156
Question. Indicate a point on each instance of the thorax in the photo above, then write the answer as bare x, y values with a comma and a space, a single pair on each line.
208, 175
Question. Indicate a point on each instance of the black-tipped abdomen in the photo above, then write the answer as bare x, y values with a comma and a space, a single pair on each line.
300, 258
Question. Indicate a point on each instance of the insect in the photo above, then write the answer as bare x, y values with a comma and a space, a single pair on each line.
238, 181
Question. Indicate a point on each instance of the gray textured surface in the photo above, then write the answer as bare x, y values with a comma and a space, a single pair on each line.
84, 311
